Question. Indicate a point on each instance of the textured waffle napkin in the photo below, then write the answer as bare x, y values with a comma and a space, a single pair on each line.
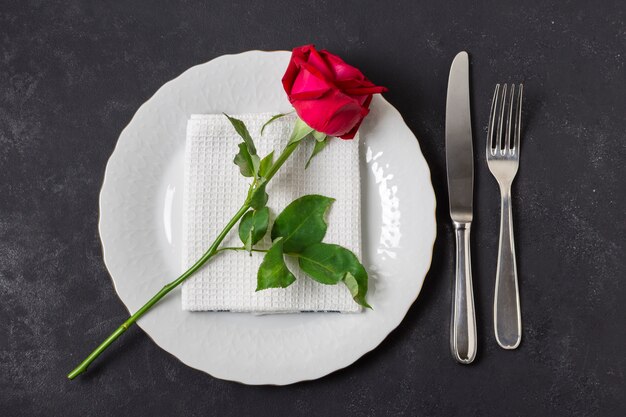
214, 191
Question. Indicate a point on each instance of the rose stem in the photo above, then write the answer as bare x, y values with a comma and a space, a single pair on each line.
82, 367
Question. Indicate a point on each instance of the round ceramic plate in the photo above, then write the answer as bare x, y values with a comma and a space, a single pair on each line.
140, 228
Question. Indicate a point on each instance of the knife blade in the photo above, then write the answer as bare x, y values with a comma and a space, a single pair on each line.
460, 170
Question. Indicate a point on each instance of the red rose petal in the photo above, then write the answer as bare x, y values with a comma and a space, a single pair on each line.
364, 112
310, 83
316, 60
342, 70
292, 69
320, 113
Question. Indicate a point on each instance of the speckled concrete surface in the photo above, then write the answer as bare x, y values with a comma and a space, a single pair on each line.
71, 77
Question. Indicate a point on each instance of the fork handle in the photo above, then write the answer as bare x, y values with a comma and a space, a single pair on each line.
463, 325
506, 307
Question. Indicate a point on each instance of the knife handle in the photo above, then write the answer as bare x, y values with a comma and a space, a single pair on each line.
463, 327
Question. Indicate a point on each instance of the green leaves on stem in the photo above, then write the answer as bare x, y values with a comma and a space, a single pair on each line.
273, 272
246, 159
300, 131
248, 164
266, 164
253, 226
302, 222
317, 148
330, 264
275, 117
242, 130
299, 229
259, 196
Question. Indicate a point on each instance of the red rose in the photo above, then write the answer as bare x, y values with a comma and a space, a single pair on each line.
329, 95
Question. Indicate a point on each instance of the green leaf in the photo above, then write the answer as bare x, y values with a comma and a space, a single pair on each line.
330, 264
247, 244
273, 272
253, 226
319, 136
277, 116
242, 130
248, 164
302, 222
351, 283
259, 197
300, 131
319, 145
358, 288
266, 164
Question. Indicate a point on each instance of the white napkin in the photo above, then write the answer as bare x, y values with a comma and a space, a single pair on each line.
214, 190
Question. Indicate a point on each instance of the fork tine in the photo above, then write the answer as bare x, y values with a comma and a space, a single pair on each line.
509, 120
501, 120
518, 124
492, 121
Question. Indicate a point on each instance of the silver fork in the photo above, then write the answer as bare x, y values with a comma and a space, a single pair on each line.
503, 161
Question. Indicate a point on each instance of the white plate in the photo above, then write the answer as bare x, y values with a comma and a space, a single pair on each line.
140, 228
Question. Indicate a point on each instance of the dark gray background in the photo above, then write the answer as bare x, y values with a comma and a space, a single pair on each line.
71, 77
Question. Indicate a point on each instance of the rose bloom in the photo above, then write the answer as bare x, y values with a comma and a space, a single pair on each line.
329, 95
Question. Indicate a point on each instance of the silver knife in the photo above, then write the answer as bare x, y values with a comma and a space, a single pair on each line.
460, 166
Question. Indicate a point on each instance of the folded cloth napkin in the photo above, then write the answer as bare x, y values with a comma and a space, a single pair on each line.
214, 190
